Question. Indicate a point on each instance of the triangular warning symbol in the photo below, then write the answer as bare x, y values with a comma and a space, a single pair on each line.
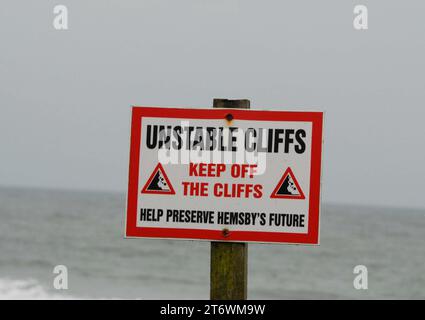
288, 187
158, 182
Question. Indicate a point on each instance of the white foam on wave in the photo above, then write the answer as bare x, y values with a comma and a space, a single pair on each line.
29, 289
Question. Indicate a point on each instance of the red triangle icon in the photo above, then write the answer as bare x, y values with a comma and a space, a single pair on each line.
158, 182
288, 187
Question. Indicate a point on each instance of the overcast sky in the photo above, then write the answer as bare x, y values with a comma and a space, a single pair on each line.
65, 95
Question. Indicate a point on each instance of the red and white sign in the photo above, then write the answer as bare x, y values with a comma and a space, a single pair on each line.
225, 175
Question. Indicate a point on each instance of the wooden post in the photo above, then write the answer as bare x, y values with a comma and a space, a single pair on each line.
229, 260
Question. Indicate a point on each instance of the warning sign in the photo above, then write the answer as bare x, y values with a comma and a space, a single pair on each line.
288, 187
158, 182
225, 175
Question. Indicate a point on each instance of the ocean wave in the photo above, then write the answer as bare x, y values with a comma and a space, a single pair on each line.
28, 289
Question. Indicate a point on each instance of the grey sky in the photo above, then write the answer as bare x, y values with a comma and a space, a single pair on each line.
65, 95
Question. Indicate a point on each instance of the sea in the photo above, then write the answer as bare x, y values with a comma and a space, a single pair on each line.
84, 231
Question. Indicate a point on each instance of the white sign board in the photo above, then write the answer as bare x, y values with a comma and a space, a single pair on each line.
225, 175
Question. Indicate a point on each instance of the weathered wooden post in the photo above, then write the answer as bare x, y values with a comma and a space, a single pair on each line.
229, 260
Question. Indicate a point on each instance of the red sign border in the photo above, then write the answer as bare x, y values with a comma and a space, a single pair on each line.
311, 237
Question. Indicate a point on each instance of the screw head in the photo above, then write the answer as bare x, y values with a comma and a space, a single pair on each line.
225, 232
